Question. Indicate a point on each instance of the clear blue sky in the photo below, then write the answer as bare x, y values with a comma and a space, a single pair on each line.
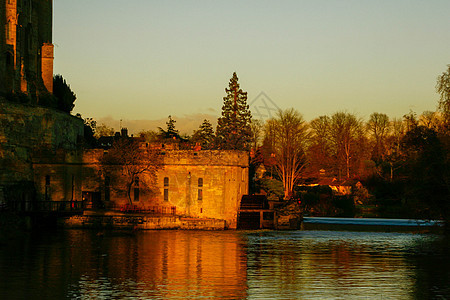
144, 59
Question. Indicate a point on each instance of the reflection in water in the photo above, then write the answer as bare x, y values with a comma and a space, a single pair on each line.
337, 265
78, 264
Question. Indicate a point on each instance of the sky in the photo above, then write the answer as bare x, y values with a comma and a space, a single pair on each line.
140, 61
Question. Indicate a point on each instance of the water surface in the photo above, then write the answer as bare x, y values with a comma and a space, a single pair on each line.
87, 264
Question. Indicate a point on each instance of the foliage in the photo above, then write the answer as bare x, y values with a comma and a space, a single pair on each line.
428, 186
149, 136
18, 97
48, 100
90, 126
204, 136
234, 127
103, 130
126, 160
273, 187
66, 97
443, 88
289, 133
171, 132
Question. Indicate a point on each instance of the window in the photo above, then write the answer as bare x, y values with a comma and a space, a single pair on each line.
107, 188
47, 187
8, 30
136, 194
166, 188
200, 189
136, 188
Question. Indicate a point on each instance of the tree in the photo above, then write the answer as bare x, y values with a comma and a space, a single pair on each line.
289, 144
126, 160
428, 173
90, 128
234, 127
443, 89
345, 133
379, 127
66, 97
257, 128
148, 135
394, 154
171, 132
204, 136
103, 130
319, 151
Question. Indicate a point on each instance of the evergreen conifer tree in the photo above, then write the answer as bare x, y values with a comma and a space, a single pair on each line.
171, 132
204, 136
233, 128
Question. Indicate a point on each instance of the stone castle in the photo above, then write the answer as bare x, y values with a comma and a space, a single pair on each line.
26, 49
42, 159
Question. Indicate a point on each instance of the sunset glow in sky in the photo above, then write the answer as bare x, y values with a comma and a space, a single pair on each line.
144, 60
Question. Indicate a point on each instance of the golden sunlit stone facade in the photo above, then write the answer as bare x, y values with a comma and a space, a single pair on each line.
196, 184
26, 49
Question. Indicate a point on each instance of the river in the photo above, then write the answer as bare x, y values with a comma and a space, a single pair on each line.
89, 264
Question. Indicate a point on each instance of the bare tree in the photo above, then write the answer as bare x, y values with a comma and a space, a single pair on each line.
127, 161
430, 119
379, 128
394, 155
345, 133
443, 88
319, 149
257, 128
290, 135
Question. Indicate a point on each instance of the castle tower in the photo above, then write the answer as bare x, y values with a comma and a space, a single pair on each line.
26, 49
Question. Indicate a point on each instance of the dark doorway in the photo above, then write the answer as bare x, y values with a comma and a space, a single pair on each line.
92, 200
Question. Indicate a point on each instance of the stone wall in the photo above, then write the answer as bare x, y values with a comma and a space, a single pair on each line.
78, 175
25, 131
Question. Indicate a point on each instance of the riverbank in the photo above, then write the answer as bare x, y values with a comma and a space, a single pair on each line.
116, 220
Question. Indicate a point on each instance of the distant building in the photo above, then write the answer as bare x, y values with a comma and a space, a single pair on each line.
26, 49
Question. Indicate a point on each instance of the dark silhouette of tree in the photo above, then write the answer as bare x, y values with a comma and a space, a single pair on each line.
64, 95
428, 173
234, 127
90, 126
171, 132
204, 136
126, 160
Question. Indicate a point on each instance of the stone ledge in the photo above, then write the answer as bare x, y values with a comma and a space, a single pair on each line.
141, 222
